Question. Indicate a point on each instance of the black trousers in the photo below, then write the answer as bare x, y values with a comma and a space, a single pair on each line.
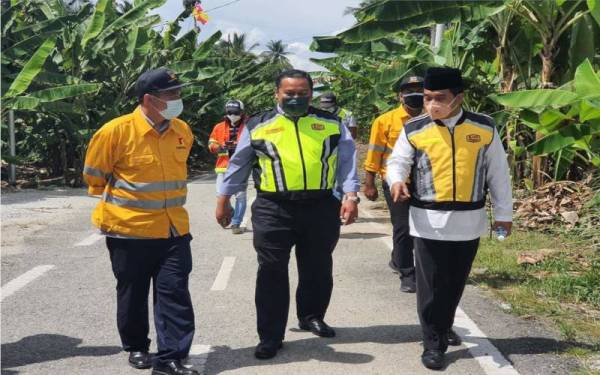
167, 263
313, 226
402, 253
442, 269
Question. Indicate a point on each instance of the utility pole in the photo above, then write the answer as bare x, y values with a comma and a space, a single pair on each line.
437, 32
12, 171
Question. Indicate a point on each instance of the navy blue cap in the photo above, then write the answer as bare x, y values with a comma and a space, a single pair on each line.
411, 81
156, 80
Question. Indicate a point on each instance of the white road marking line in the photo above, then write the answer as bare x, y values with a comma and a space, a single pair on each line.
222, 278
489, 358
90, 240
483, 351
197, 357
14, 285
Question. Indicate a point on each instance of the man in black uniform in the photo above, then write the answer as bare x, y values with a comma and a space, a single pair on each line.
297, 155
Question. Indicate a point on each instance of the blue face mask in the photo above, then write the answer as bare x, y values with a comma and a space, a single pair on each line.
295, 106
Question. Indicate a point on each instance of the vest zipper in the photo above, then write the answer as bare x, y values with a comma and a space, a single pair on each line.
301, 152
453, 165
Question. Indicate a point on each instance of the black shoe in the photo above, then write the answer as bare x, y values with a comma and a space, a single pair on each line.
317, 326
433, 359
267, 349
453, 338
140, 360
173, 367
408, 283
393, 267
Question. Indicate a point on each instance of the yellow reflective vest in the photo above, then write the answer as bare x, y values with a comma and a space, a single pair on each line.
141, 176
384, 134
296, 158
449, 170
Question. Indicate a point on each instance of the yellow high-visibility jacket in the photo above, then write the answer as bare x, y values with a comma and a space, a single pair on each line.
295, 157
384, 134
141, 175
449, 170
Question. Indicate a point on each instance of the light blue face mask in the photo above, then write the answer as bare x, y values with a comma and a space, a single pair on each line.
174, 108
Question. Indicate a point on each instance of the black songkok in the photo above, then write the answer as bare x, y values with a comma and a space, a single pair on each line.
443, 78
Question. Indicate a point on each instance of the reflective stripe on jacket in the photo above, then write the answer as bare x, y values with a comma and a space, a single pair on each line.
218, 137
141, 175
384, 133
449, 170
295, 155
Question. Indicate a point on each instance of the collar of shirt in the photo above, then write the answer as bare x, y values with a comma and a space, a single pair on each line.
145, 124
451, 121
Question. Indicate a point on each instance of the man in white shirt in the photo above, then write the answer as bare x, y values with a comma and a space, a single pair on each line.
453, 157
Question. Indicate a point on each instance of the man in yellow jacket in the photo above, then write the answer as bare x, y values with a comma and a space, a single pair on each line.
384, 133
138, 164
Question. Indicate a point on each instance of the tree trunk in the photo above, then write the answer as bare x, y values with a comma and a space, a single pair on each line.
539, 164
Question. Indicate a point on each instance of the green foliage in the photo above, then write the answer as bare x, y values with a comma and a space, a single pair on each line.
68, 70
507, 50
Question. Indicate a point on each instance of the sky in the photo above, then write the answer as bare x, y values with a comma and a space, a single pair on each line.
294, 22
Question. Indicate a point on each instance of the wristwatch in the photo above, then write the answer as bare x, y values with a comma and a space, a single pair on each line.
355, 199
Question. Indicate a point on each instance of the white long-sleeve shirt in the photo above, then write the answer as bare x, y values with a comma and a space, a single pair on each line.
455, 225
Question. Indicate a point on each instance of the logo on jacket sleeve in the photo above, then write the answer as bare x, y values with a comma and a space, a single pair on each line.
317, 126
473, 138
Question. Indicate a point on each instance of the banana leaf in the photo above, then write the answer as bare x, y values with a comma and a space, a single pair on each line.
31, 68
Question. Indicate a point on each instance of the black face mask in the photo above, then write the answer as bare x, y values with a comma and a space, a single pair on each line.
295, 106
413, 100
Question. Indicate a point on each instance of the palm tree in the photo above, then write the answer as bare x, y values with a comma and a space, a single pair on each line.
276, 54
235, 46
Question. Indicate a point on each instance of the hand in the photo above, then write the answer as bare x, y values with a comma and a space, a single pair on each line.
371, 192
348, 212
399, 192
506, 225
224, 212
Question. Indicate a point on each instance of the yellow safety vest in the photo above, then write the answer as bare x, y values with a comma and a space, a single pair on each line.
141, 175
342, 113
449, 172
296, 158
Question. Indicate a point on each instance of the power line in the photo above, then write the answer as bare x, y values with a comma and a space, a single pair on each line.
223, 5
208, 10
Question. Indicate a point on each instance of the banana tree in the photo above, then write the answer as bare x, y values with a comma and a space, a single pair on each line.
568, 118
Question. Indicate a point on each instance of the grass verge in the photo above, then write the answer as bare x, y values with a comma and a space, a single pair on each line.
563, 288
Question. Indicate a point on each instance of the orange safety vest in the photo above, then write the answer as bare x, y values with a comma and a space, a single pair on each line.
217, 139
141, 175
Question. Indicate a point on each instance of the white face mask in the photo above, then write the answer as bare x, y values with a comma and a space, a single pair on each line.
439, 110
234, 118
174, 108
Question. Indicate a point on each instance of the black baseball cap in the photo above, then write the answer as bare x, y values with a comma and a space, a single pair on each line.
234, 106
157, 80
410, 81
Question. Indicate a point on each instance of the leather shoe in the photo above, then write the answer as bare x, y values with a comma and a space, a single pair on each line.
433, 359
173, 367
453, 338
317, 327
408, 283
140, 360
267, 349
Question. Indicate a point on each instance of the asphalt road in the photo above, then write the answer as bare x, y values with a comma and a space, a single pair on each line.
58, 303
